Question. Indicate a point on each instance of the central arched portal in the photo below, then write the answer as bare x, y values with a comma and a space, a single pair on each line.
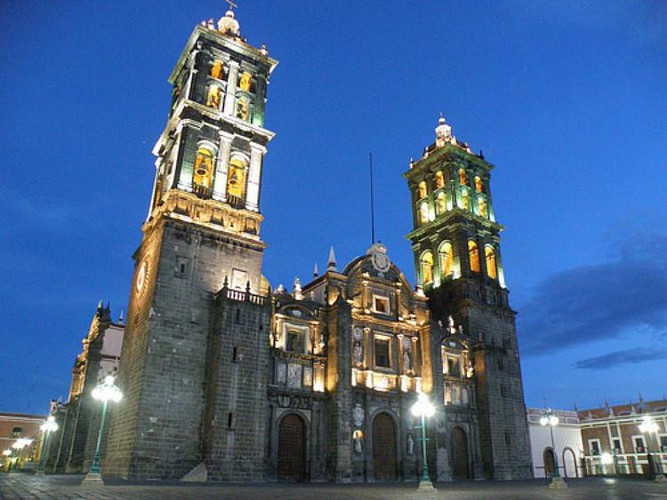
384, 448
459, 454
292, 448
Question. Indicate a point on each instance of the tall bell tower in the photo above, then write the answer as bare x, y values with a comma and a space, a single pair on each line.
202, 234
456, 246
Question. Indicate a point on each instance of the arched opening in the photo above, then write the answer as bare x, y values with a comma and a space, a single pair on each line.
422, 190
218, 70
292, 448
446, 255
439, 180
491, 269
465, 200
549, 462
426, 265
236, 181
441, 203
459, 454
479, 185
214, 96
463, 179
423, 212
570, 463
482, 208
473, 255
202, 177
384, 447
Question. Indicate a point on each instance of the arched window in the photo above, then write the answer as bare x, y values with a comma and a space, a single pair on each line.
218, 70
245, 82
236, 177
463, 178
490, 254
423, 212
214, 96
446, 256
422, 190
202, 177
426, 265
244, 108
441, 203
473, 255
482, 208
479, 185
439, 180
465, 199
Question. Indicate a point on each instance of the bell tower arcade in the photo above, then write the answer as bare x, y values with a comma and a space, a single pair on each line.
456, 246
202, 234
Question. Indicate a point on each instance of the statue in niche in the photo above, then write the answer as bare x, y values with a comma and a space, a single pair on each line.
245, 81
463, 180
213, 98
358, 415
465, 201
450, 326
358, 444
407, 360
411, 445
479, 185
442, 203
218, 70
358, 353
439, 180
243, 109
483, 211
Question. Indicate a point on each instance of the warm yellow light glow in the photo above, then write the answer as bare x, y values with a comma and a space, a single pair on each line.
446, 256
439, 180
473, 255
427, 267
422, 190
236, 178
491, 268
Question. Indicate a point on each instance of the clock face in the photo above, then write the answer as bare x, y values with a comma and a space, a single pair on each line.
142, 276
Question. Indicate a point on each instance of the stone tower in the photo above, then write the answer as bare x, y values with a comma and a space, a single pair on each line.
456, 246
201, 251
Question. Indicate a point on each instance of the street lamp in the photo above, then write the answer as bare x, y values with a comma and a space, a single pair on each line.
548, 418
423, 408
105, 392
649, 426
18, 445
47, 428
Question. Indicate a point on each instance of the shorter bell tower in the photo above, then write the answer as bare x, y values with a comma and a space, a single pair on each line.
456, 246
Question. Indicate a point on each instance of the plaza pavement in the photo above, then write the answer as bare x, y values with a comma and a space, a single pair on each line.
18, 485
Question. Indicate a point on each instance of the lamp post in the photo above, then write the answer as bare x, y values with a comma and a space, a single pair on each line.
105, 392
47, 428
648, 427
550, 419
18, 445
423, 408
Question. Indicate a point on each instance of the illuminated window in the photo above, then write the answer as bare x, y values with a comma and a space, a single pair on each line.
439, 180
465, 200
441, 203
236, 180
490, 255
426, 265
423, 212
214, 97
473, 255
479, 185
202, 177
481, 207
245, 81
422, 190
381, 304
218, 70
446, 256
382, 352
294, 340
463, 179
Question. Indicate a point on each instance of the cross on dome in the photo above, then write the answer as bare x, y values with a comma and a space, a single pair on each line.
231, 4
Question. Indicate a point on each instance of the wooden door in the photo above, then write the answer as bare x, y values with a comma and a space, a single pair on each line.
384, 448
459, 454
292, 448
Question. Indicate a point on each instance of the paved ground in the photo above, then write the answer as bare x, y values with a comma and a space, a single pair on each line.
17, 485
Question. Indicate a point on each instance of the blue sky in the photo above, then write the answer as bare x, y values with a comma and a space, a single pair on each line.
567, 99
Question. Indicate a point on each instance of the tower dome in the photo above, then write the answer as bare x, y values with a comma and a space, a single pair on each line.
228, 25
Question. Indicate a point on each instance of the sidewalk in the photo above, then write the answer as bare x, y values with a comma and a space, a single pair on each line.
17, 485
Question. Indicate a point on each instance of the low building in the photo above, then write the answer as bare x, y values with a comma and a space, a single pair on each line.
614, 444
567, 444
19, 440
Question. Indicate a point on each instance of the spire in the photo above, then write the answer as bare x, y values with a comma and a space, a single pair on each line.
121, 318
331, 263
316, 272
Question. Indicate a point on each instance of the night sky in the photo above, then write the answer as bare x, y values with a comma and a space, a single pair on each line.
567, 99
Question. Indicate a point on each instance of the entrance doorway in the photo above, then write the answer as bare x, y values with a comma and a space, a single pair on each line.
549, 462
384, 448
292, 448
459, 454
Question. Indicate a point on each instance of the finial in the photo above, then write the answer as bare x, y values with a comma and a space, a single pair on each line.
231, 4
263, 50
441, 119
227, 24
296, 291
641, 399
316, 272
100, 305
121, 318
331, 263
226, 282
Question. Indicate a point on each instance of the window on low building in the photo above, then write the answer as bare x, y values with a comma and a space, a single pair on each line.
594, 446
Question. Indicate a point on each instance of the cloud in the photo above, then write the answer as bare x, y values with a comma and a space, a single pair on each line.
628, 356
603, 301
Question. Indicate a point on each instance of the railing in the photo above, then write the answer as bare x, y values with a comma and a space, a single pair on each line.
203, 191
235, 201
244, 296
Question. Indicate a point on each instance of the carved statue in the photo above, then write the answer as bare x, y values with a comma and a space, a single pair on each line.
213, 99
407, 360
479, 185
243, 109
482, 207
465, 201
411, 445
358, 353
463, 180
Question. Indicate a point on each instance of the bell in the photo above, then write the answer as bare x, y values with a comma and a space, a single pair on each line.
201, 170
233, 179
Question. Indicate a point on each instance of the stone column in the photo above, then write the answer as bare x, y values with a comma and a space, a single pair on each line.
230, 96
222, 166
254, 176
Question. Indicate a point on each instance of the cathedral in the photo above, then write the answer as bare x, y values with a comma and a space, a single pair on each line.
227, 379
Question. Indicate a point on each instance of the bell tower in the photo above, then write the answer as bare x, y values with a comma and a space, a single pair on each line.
456, 246
202, 234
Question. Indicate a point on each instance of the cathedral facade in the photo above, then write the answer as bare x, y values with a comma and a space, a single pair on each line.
225, 379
